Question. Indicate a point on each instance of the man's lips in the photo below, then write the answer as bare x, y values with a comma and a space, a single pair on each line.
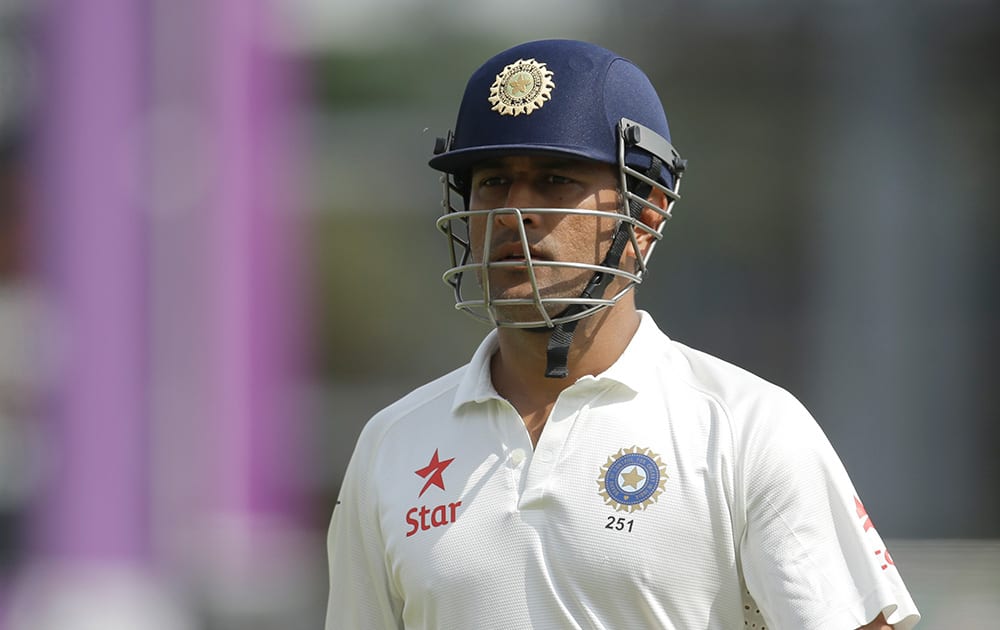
512, 252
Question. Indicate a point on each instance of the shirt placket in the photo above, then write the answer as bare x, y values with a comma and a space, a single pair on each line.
540, 470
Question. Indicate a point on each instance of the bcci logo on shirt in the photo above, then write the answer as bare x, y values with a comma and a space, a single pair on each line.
632, 479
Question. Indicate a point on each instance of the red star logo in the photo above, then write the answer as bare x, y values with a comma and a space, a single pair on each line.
432, 473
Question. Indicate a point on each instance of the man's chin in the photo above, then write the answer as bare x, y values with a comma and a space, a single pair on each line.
526, 312
525, 315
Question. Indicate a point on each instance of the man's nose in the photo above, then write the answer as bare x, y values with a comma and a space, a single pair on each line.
521, 195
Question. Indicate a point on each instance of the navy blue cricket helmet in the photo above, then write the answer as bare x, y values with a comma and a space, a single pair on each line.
557, 97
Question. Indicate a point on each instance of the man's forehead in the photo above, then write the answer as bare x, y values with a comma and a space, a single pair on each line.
539, 161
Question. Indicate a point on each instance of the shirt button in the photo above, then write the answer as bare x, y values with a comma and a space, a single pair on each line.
517, 456
545, 455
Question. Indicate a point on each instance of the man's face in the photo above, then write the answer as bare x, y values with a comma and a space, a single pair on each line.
533, 182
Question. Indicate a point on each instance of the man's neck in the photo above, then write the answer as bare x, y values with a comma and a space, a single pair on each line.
518, 367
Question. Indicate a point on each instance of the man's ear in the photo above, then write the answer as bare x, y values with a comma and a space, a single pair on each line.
652, 218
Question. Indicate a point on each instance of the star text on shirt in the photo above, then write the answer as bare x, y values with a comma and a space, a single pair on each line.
423, 518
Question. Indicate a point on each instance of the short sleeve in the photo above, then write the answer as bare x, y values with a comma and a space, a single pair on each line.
360, 596
811, 556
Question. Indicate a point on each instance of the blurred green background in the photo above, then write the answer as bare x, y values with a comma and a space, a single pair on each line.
836, 232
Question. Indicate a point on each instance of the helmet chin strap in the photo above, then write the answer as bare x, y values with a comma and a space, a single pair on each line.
557, 353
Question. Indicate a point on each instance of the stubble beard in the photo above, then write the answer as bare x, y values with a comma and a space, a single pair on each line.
565, 283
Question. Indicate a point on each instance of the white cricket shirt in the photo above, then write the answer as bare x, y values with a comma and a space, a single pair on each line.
659, 495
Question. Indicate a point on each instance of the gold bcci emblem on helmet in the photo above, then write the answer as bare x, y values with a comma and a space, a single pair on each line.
521, 88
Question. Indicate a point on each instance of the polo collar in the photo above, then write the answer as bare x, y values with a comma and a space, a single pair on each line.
476, 385
630, 370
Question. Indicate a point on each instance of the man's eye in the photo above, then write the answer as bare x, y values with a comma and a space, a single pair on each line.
559, 179
488, 182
